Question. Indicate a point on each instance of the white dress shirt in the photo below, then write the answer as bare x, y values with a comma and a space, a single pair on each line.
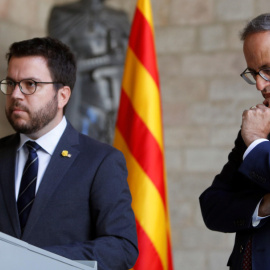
48, 143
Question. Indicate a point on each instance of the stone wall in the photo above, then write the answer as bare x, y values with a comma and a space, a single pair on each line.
200, 59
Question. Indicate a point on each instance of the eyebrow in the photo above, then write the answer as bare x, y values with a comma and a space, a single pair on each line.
262, 67
265, 66
34, 79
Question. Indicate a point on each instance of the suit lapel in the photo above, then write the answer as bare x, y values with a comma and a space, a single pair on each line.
54, 174
7, 161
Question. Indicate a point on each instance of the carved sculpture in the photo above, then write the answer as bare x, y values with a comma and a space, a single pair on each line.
98, 36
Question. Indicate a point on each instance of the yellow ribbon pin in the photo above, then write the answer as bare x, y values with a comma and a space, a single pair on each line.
66, 154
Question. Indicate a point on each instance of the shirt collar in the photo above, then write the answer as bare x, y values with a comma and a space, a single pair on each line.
48, 141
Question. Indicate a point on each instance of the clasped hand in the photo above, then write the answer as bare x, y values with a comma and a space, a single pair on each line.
255, 123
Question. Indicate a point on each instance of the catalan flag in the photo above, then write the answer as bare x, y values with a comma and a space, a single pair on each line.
139, 135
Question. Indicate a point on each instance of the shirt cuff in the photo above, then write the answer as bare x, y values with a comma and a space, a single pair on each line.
253, 145
256, 218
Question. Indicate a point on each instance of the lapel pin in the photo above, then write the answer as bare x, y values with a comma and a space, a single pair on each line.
66, 154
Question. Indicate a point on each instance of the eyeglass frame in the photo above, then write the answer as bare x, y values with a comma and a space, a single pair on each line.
20, 87
255, 74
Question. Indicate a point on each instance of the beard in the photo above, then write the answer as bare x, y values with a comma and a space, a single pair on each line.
37, 120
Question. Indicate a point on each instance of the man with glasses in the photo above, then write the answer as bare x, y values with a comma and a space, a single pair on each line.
239, 198
59, 190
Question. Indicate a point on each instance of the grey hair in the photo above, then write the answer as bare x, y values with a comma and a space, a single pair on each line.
256, 25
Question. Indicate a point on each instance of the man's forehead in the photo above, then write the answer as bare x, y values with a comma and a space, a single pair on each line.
257, 50
28, 67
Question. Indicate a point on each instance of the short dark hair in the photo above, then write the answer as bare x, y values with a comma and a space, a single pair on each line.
256, 25
60, 60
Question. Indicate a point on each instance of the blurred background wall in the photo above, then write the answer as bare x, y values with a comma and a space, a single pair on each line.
200, 59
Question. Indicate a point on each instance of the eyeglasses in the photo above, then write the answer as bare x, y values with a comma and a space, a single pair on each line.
250, 76
27, 86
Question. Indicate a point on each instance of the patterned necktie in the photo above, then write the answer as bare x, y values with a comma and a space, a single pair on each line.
28, 183
247, 260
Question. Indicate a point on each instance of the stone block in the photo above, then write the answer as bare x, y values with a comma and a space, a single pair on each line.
175, 114
186, 187
231, 10
246, 104
43, 11
178, 89
234, 30
182, 215
160, 12
214, 113
173, 159
213, 38
189, 259
192, 12
203, 238
188, 136
196, 182
261, 6
224, 136
12, 33
172, 40
205, 159
21, 13
232, 89
219, 259
169, 66
212, 64
37, 33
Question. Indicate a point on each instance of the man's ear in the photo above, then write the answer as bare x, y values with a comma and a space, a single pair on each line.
64, 94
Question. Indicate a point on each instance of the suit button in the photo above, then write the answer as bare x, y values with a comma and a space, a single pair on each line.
241, 249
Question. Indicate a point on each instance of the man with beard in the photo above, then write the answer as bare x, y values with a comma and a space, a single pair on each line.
239, 198
77, 202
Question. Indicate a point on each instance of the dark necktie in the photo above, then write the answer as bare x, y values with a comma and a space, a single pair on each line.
28, 184
247, 260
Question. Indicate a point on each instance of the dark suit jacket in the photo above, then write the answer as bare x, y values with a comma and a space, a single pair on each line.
229, 203
82, 209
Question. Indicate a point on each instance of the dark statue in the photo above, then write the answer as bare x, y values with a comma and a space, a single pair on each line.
98, 36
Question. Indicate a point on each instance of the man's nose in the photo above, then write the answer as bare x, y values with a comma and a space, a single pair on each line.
261, 83
17, 93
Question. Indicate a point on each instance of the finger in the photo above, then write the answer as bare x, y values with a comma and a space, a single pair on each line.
253, 107
262, 107
244, 114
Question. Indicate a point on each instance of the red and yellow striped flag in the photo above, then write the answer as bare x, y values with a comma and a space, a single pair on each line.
139, 135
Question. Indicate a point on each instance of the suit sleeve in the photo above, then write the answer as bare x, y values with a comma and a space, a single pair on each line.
115, 243
229, 203
256, 166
